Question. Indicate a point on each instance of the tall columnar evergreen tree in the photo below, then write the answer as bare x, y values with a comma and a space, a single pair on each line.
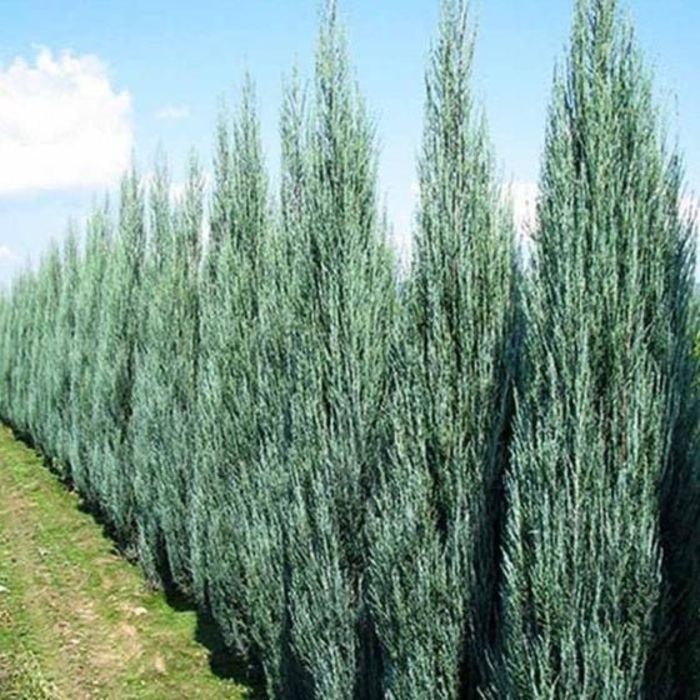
601, 580
28, 376
90, 293
240, 478
174, 475
344, 310
43, 358
16, 348
112, 466
434, 538
164, 404
60, 418
154, 377
8, 335
220, 214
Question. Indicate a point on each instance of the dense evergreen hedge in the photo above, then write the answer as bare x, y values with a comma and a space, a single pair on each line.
469, 480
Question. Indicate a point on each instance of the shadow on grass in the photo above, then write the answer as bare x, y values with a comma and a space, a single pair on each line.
224, 662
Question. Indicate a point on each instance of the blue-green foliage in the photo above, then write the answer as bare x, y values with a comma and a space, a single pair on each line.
600, 590
236, 537
115, 343
343, 310
43, 359
434, 537
468, 482
152, 423
90, 292
64, 345
164, 403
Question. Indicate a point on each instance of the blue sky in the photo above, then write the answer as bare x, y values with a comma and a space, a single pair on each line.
83, 84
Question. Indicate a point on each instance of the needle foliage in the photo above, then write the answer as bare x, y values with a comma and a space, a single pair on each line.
469, 480
600, 590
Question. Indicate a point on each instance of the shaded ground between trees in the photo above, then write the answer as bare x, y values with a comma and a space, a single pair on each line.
77, 620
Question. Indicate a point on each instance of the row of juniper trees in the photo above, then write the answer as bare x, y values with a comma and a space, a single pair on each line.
474, 478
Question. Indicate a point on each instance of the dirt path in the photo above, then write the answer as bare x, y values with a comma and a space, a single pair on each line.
76, 620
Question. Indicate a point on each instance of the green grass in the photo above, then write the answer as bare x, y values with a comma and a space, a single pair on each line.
76, 619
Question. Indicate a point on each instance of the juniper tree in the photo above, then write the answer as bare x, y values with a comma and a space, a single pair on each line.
164, 394
29, 312
8, 336
222, 194
600, 584
238, 533
174, 475
17, 342
434, 546
151, 425
111, 467
89, 297
344, 306
47, 281
60, 418
10, 348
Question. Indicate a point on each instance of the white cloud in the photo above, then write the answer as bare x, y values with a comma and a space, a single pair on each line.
62, 124
7, 254
171, 113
